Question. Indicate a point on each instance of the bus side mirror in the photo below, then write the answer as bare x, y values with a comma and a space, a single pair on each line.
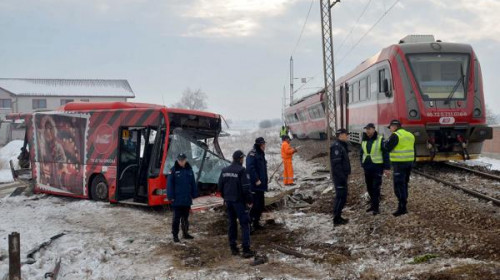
387, 90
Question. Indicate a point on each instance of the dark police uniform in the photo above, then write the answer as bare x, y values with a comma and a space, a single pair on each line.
181, 189
374, 161
234, 186
401, 148
257, 169
341, 168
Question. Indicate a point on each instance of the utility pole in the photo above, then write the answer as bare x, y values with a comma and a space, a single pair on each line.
328, 69
291, 80
283, 105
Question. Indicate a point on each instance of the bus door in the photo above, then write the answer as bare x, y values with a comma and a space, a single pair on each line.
135, 153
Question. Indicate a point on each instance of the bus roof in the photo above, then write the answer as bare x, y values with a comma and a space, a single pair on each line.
89, 106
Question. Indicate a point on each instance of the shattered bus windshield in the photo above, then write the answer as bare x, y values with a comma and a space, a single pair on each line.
206, 165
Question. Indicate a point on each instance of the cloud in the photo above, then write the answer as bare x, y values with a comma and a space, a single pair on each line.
231, 18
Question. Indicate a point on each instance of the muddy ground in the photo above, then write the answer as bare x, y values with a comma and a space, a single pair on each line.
458, 236
446, 235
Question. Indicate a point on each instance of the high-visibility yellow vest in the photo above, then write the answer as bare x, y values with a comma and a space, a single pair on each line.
375, 152
283, 132
404, 150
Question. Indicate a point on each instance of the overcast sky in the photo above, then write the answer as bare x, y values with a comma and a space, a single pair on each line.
236, 51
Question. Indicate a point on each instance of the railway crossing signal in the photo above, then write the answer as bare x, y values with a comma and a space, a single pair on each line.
328, 68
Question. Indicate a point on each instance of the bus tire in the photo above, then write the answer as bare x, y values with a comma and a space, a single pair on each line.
99, 189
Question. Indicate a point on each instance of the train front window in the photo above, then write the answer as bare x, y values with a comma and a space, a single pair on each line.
440, 76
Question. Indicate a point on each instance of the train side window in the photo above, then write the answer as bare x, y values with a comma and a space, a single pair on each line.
355, 92
363, 89
368, 88
381, 78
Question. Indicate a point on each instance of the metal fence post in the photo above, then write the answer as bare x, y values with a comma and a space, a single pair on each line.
14, 256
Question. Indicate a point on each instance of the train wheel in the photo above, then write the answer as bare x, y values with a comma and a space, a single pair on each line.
99, 189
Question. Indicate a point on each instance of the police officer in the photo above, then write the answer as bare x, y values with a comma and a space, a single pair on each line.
374, 160
401, 148
257, 169
234, 186
341, 168
181, 189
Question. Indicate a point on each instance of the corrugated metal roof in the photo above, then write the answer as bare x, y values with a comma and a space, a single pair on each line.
67, 87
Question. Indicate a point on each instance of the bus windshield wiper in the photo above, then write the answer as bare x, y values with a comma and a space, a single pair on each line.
457, 84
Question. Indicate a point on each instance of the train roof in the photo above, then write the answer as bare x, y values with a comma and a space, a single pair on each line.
307, 96
407, 46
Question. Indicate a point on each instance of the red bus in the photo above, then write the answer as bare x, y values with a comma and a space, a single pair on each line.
120, 151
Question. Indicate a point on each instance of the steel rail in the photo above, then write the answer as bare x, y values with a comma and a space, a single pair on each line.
480, 173
466, 190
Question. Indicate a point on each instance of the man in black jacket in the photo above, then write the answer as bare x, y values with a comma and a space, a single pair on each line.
374, 160
257, 169
234, 187
341, 168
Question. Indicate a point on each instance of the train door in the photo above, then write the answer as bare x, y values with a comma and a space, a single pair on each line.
343, 104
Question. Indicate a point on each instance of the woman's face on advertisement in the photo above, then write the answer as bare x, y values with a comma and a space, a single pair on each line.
49, 131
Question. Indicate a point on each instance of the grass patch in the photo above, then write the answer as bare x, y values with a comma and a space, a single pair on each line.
423, 258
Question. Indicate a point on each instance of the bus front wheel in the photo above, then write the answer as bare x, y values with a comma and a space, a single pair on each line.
99, 188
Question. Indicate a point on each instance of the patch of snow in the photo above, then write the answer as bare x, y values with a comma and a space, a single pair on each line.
9, 152
494, 164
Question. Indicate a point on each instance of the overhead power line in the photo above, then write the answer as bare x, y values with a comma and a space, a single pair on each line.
353, 27
368, 31
359, 40
303, 27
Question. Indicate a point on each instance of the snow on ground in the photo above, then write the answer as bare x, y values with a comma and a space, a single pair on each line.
9, 152
490, 163
104, 241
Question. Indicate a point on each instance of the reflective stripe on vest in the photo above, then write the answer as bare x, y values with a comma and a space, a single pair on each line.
374, 154
283, 132
404, 150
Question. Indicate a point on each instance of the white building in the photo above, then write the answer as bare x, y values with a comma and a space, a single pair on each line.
28, 95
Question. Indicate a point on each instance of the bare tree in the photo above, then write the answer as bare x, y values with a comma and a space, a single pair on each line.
491, 117
193, 100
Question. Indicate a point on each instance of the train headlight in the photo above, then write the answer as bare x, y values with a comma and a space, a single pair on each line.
477, 112
416, 133
413, 113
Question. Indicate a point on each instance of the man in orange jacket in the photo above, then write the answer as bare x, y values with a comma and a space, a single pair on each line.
287, 153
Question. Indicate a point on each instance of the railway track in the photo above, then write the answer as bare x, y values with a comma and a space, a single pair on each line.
471, 170
461, 187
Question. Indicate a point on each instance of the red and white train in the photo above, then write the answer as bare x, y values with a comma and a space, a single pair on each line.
434, 88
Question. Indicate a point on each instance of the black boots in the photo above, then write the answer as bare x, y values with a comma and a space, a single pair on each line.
338, 221
235, 251
401, 210
247, 253
257, 226
184, 235
187, 236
